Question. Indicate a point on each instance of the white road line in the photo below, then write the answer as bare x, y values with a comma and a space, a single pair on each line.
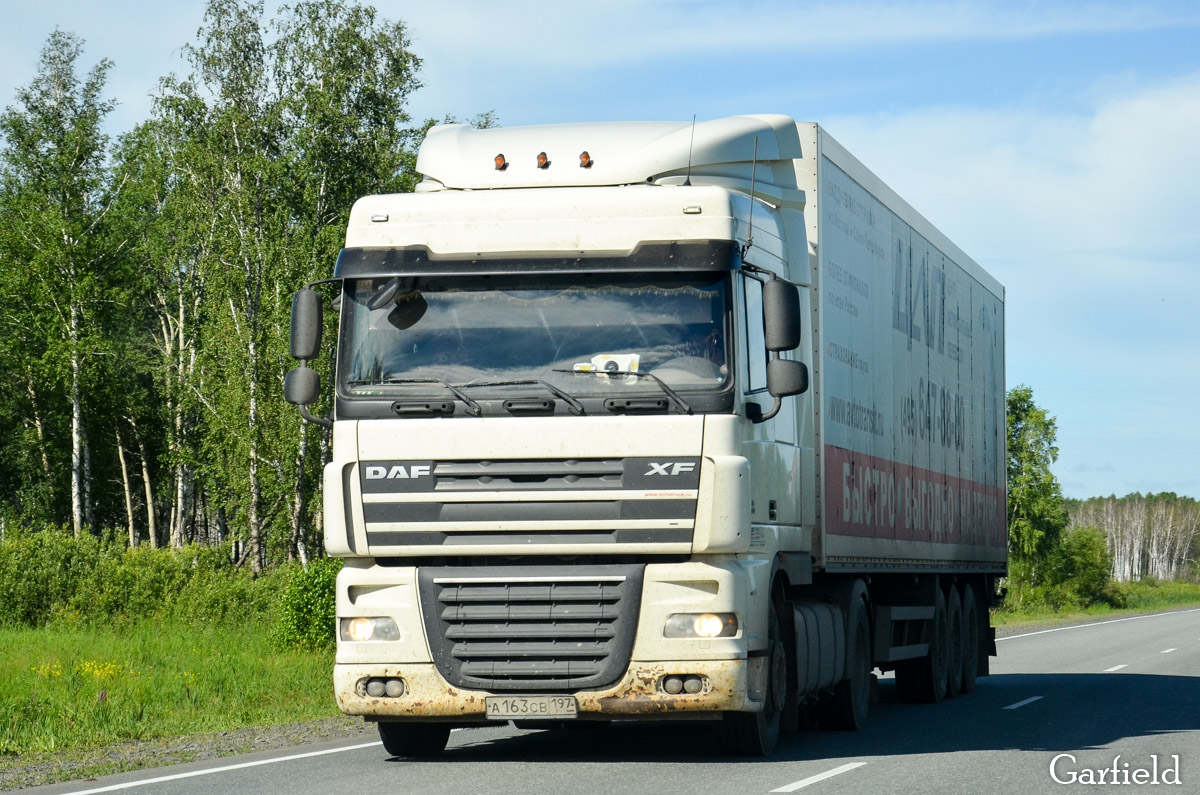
804, 782
1166, 651
1115, 668
1098, 623
1020, 704
194, 773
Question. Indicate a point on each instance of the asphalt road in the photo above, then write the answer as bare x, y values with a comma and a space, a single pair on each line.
1084, 695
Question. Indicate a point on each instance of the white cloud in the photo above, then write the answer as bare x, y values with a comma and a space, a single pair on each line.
1092, 190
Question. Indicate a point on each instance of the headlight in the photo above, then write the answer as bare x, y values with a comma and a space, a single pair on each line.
701, 625
363, 629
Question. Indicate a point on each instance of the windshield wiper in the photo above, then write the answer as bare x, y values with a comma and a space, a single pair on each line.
676, 400
574, 405
473, 407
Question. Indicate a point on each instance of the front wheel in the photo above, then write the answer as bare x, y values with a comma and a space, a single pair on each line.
414, 739
756, 733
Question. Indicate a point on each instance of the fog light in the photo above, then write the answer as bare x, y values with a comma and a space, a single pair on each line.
672, 684
376, 688
701, 625
394, 688
693, 685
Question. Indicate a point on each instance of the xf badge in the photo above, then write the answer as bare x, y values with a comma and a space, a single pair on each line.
670, 468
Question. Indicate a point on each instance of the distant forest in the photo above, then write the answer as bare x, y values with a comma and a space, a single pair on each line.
1153, 536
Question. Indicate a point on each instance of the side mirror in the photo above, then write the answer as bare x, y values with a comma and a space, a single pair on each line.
786, 377
306, 326
781, 315
302, 386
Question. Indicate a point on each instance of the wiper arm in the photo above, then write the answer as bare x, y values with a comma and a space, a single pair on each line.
472, 406
575, 406
678, 402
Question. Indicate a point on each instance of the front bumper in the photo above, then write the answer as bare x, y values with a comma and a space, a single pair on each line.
638, 694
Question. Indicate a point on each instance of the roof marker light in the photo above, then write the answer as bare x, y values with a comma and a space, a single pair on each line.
542, 161
501, 163
585, 160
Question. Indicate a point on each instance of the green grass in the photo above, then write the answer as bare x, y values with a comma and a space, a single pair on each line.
1136, 597
69, 688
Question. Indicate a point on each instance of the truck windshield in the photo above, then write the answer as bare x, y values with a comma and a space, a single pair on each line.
461, 330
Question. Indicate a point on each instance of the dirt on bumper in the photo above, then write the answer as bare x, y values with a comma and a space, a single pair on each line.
428, 695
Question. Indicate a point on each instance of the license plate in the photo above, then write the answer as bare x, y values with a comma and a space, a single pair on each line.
510, 707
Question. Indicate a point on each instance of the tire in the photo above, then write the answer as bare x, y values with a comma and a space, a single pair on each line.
847, 709
954, 646
421, 740
970, 672
924, 679
756, 733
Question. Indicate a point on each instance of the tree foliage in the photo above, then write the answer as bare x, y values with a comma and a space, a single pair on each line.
1036, 515
147, 285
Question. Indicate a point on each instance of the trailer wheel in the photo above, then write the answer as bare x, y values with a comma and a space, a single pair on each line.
970, 618
414, 739
851, 700
954, 656
924, 678
756, 733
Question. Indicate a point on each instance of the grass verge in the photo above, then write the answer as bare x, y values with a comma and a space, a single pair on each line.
74, 689
1135, 597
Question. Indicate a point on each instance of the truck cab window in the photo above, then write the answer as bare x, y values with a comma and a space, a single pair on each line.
756, 351
474, 329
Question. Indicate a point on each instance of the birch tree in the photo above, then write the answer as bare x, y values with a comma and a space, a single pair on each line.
58, 274
278, 128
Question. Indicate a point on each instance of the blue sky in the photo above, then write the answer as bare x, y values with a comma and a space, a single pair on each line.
1058, 143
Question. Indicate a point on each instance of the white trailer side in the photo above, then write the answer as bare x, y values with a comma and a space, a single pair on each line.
908, 361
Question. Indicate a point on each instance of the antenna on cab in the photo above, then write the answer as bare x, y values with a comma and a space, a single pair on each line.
750, 223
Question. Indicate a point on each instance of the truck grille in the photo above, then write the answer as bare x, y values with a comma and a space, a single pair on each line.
516, 629
500, 506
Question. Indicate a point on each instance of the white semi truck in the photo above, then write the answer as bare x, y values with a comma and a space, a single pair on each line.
655, 420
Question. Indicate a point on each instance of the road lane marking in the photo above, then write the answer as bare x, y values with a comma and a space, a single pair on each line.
1166, 651
1020, 704
243, 765
1098, 623
804, 782
1114, 668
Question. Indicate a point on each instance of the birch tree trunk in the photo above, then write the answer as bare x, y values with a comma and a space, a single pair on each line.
77, 468
39, 427
133, 535
148, 483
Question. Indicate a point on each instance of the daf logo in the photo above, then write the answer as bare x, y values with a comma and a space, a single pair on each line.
398, 472
668, 468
